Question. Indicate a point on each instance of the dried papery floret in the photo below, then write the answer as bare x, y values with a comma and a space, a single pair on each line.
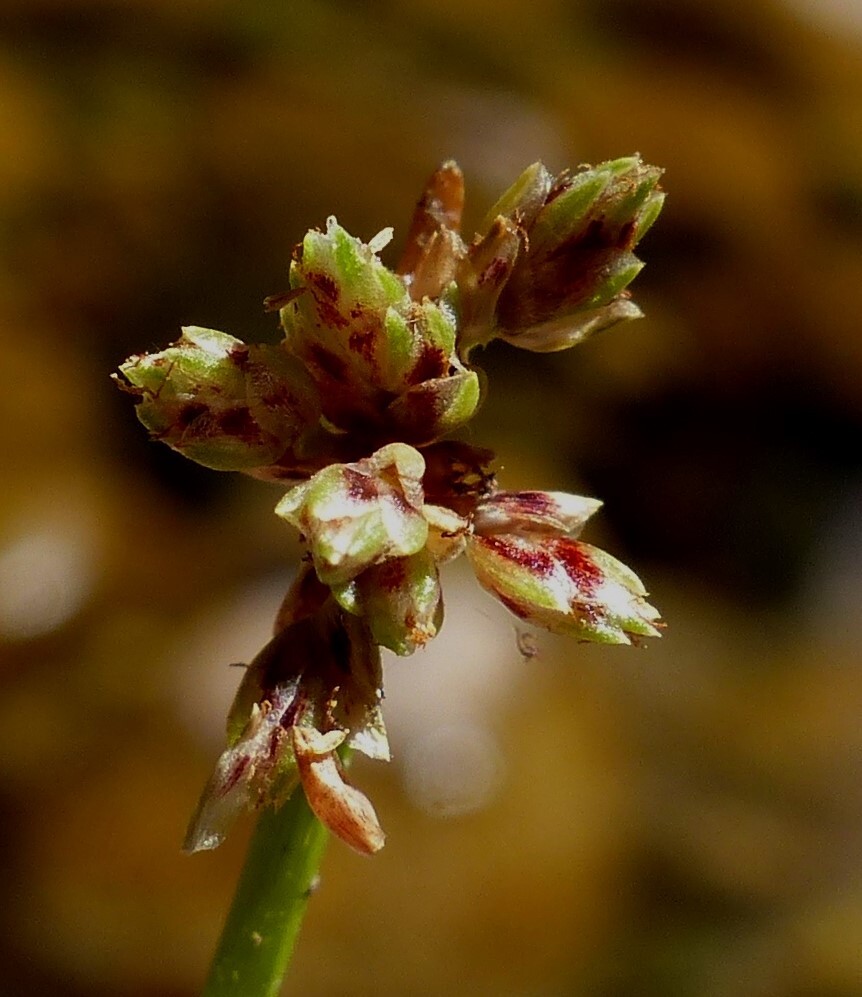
321, 673
342, 808
533, 512
433, 246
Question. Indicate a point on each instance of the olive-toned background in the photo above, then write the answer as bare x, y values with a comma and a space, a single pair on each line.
679, 821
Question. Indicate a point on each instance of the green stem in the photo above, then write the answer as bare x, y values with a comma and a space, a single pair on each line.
264, 920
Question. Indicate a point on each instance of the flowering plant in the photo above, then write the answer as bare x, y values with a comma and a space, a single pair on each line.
353, 412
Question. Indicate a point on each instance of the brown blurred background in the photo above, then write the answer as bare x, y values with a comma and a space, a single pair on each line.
683, 820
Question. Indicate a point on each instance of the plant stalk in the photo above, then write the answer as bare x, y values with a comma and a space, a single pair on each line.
275, 885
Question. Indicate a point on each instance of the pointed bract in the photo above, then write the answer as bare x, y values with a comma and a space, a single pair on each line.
533, 513
523, 200
570, 330
433, 246
482, 277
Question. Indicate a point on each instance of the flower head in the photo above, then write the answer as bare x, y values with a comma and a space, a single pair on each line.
565, 586
351, 409
384, 363
574, 258
222, 403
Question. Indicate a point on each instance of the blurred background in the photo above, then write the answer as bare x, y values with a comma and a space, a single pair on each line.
683, 819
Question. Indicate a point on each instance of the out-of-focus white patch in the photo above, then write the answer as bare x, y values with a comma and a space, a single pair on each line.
444, 704
829, 604
497, 133
47, 574
454, 769
833, 16
228, 633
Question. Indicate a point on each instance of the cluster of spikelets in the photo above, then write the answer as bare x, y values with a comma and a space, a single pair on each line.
351, 410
